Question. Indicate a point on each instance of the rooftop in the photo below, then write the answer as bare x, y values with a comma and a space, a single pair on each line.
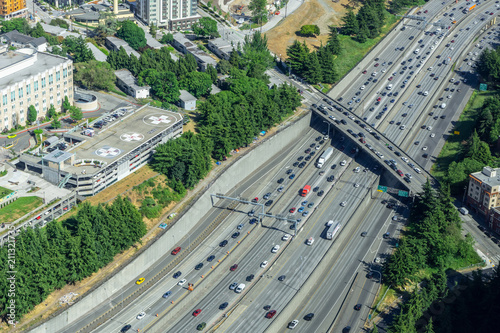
488, 175
120, 42
151, 42
98, 55
42, 62
57, 156
186, 96
122, 136
53, 30
127, 77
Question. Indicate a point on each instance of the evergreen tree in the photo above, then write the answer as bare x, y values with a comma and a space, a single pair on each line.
333, 45
212, 72
297, 55
350, 24
363, 33
312, 71
327, 64
32, 114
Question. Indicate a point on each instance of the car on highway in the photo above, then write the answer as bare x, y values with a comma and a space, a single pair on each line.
250, 277
141, 315
177, 274
141, 280
310, 205
285, 237
235, 235
357, 307
266, 196
292, 210
293, 324
176, 250
282, 278
251, 213
363, 234
196, 312
275, 249
240, 226
199, 266
223, 306
212, 257
223, 243
264, 264
301, 209
181, 282
309, 316
125, 328
270, 314
343, 203
201, 326
279, 181
400, 173
168, 293
268, 203
233, 285
292, 176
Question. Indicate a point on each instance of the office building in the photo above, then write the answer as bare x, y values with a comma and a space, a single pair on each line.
171, 14
29, 77
13, 8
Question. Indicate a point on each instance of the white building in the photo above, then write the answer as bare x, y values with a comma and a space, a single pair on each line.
187, 101
127, 82
29, 77
172, 14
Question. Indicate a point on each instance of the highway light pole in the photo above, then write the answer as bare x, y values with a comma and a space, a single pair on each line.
465, 192
328, 123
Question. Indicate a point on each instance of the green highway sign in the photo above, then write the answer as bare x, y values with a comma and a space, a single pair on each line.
403, 194
483, 87
382, 188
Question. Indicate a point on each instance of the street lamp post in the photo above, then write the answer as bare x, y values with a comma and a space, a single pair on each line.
328, 123
465, 192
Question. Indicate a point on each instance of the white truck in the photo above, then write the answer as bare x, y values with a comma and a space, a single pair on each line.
324, 157
464, 211
332, 231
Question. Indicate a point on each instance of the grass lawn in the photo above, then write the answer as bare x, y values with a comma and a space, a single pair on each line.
353, 51
465, 126
18, 208
4, 191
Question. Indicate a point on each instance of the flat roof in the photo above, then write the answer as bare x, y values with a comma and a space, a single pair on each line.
44, 61
57, 156
186, 96
98, 54
121, 136
491, 181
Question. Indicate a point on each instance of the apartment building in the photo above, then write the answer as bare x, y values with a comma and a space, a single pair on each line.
171, 14
483, 195
29, 77
13, 8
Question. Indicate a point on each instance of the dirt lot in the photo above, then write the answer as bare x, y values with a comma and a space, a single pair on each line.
322, 13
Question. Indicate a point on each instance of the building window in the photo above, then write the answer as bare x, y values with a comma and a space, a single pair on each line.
28, 89
21, 103
51, 89
5, 99
44, 109
21, 93
58, 76
36, 85
65, 73
12, 96
51, 78
5, 110
43, 83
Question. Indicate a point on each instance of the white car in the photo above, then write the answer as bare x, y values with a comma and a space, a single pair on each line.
285, 237
449, 96
433, 135
377, 260
424, 148
141, 315
362, 88
405, 159
426, 93
356, 185
275, 249
357, 169
181, 282
343, 163
417, 170
343, 203
263, 264
429, 128
402, 127
293, 324
318, 147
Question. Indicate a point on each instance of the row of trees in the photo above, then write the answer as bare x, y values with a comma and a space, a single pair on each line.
316, 66
47, 259
367, 23
433, 240
22, 26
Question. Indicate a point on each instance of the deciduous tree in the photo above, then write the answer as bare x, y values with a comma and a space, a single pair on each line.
132, 34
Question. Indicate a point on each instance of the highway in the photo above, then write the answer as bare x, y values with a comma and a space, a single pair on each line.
325, 270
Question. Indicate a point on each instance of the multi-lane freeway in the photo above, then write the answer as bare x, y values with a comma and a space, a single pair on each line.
285, 278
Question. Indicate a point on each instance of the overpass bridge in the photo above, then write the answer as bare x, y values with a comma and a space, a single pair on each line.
377, 145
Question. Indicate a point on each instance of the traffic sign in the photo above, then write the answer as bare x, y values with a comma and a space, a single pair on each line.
456, 132
382, 188
403, 194
483, 87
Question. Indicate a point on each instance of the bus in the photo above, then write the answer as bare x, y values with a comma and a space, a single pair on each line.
332, 231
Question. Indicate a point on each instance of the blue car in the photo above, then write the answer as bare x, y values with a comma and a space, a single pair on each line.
240, 226
304, 203
393, 100
301, 209
305, 213
292, 176
168, 293
310, 205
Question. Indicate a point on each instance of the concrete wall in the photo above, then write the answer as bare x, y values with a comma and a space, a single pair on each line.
242, 168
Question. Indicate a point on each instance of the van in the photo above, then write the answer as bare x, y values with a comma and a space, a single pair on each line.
310, 241
240, 288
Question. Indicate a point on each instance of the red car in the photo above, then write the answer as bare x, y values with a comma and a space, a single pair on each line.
379, 99
176, 250
453, 41
256, 199
390, 79
39, 217
400, 173
233, 268
362, 140
270, 314
292, 210
196, 312
376, 65
364, 72
426, 11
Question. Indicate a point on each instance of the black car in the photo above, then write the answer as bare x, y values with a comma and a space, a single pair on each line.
334, 166
330, 178
269, 203
212, 257
308, 157
357, 307
300, 158
223, 243
250, 277
295, 164
316, 189
363, 234
236, 234
309, 316
199, 266
312, 153
318, 138
223, 306
126, 328
320, 193
280, 180
282, 278
177, 274
301, 165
